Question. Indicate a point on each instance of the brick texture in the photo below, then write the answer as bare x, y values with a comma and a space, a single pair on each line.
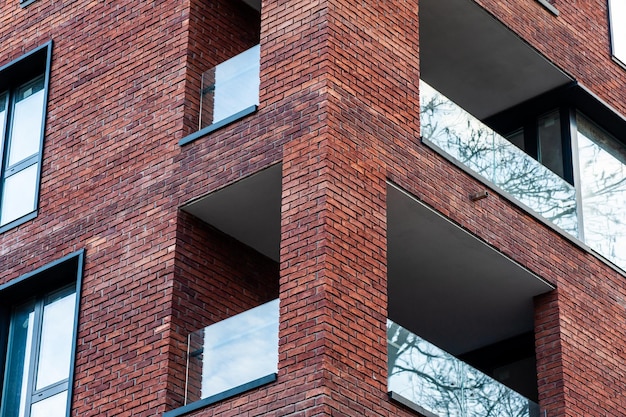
339, 108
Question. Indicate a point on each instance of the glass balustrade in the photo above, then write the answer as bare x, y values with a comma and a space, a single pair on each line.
596, 214
232, 352
445, 386
602, 166
230, 87
463, 137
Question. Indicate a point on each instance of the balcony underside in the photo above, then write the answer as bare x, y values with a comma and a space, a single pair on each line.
248, 210
449, 287
477, 62
444, 284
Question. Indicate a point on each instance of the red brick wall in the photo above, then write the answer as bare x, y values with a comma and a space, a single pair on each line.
577, 40
358, 106
339, 107
216, 277
115, 105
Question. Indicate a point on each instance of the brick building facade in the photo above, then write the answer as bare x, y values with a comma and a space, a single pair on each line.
432, 190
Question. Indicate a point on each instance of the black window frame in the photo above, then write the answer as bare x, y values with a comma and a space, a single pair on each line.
14, 75
56, 276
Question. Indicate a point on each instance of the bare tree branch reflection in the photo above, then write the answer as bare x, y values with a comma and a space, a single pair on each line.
602, 166
444, 385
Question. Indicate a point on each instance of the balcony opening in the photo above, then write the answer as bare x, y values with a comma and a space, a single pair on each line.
477, 62
495, 106
226, 291
231, 89
223, 67
460, 329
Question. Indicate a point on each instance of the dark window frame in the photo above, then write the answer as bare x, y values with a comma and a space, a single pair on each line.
57, 276
14, 75
570, 100
24, 3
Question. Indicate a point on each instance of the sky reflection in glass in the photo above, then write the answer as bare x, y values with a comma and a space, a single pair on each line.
230, 87
617, 10
55, 351
237, 350
602, 164
437, 381
27, 123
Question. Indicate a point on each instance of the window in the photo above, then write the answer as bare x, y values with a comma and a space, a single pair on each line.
39, 331
543, 139
617, 11
551, 157
23, 92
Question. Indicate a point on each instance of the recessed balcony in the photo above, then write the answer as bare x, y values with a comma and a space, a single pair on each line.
496, 107
229, 92
230, 355
444, 284
437, 384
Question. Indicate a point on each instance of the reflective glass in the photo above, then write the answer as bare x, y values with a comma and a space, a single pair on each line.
233, 352
442, 384
617, 13
19, 192
602, 164
18, 361
56, 339
550, 144
54, 406
230, 87
27, 121
473, 144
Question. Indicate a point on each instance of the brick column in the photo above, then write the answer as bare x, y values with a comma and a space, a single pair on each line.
549, 354
357, 74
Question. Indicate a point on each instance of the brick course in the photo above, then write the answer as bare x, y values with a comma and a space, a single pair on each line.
339, 108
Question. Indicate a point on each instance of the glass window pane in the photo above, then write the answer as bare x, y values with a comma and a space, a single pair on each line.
18, 361
55, 350
617, 12
550, 146
26, 121
19, 194
602, 163
54, 406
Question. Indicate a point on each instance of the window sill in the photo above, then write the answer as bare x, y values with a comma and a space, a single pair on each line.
18, 222
546, 4
205, 402
215, 126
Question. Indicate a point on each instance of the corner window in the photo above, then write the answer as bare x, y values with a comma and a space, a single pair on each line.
560, 163
617, 13
23, 92
40, 342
